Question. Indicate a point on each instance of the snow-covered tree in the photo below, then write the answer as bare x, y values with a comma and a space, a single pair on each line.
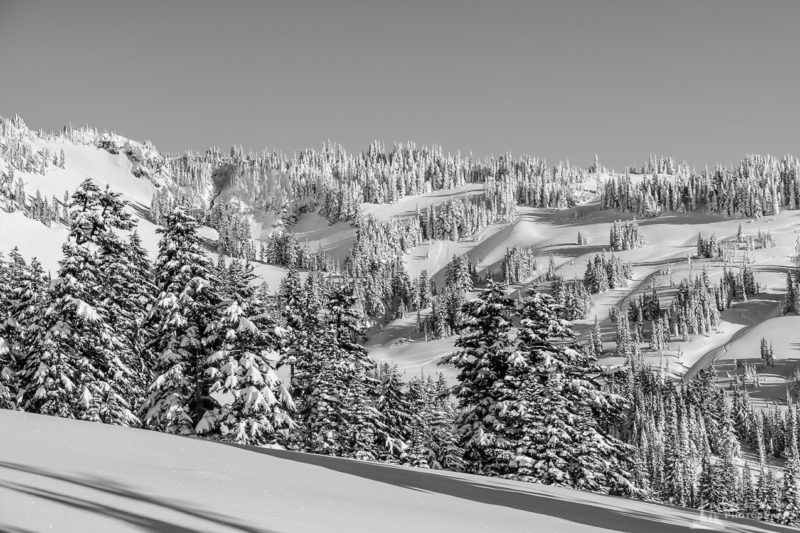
184, 326
75, 364
260, 405
483, 352
564, 409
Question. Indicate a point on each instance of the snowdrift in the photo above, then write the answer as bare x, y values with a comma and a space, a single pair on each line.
64, 475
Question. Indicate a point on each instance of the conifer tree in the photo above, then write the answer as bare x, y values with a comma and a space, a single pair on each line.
293, 311
564, 440
127, 290
598, 338
183, 326
790, 305
8, 370
396, 408
424, 290
260, 407
75, 364
24, 305
484, 348
338, 408
790, 496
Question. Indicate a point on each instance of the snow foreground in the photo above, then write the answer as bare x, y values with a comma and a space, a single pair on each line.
66, 475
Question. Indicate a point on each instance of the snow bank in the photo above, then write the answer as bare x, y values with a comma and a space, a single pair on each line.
62, 475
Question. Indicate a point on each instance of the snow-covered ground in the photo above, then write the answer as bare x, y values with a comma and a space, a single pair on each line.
549, 233
63, 475
745, 347
408, 205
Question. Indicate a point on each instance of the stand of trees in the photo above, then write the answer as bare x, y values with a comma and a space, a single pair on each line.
603, 273
518, 264
757, 186
708, 248
188, 347
625, 235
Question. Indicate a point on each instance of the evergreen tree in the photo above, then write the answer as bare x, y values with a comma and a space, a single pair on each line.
184, 327
790, 496
260, 404
396, 409
484, 348
293, 311
8, 330
127, 291
75, 364
338, 409
566, 411
790, 305
598, 338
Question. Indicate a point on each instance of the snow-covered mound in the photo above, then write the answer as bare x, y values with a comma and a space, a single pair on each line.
63, 475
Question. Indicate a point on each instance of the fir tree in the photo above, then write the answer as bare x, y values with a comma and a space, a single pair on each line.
790, 496
183, 325
260, 406
565, 409
396, 408
338, 409
75, 365
484, 347
127, 291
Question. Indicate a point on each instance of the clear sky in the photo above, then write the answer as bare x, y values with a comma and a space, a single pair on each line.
706, 81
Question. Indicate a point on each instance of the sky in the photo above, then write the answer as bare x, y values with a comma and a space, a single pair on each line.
704, 81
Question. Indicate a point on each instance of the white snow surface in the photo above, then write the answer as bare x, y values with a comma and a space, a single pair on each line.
33, 238
88, 161
64, 475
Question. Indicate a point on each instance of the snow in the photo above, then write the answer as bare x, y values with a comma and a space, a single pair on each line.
319, 234
86, 311
88, 161
408, 205
64, 475
208, 233
550, 233
33, 238
745, 347
416, 358
781, 330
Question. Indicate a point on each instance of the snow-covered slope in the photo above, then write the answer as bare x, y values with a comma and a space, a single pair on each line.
62, 475
87, 161
83, 159
137, 170
33, 238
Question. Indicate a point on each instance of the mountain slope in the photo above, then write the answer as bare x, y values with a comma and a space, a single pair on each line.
273, 197
62, 475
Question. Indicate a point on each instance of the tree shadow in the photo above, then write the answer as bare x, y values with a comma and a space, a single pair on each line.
5, 528
140, 210
693, 218
571, 250
559, 504
753, 311
140, 519
591, 213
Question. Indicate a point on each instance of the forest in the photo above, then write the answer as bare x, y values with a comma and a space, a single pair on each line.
186, 346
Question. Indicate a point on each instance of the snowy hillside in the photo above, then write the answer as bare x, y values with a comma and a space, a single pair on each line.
528, 321
540, 274
65, 476
263, 195
133, 169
